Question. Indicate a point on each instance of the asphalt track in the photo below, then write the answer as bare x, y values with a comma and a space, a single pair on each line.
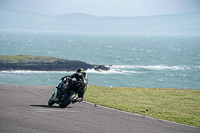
24, 109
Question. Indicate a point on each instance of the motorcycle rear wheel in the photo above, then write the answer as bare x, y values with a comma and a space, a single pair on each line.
68, 100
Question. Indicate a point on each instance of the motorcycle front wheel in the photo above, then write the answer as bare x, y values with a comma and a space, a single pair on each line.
51, 101
68, 100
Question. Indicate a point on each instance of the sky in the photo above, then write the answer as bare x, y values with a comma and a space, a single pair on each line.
117, 8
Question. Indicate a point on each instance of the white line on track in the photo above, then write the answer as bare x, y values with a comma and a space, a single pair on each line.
137, 114
55, 110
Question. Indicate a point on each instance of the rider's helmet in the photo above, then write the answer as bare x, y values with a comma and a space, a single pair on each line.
80, 70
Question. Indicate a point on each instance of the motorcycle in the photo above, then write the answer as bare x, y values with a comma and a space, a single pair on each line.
65, 92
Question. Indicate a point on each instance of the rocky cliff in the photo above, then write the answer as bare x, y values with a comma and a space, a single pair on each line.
39, 63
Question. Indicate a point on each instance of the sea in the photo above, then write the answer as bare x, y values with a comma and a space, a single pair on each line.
135, 60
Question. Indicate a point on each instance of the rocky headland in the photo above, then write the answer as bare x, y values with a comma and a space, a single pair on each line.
41, 63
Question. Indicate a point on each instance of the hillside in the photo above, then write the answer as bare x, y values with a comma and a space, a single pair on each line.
22, 20
41, 63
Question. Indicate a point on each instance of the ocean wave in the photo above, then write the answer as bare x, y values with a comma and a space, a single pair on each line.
63, 72
111, 71
102, 71
197, 67
157, 67
114, 69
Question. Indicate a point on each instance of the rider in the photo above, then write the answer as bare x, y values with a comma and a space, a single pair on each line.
81, 77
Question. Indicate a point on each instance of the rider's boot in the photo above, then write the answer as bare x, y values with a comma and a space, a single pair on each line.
77, 100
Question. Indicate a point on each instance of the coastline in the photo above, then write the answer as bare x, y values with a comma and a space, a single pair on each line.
41, 63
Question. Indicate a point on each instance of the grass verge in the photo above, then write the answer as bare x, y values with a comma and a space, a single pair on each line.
176, 105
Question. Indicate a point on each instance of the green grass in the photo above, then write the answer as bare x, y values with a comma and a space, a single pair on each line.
20, 58
176, 105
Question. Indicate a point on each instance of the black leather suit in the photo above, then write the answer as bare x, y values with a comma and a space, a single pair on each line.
81, 77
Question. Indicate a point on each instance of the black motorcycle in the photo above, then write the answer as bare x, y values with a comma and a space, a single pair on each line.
65, 92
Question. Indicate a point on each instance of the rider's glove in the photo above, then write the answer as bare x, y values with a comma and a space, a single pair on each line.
64, 77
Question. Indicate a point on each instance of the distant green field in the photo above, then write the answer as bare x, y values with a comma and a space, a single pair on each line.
26, 58
19, 58
176, 105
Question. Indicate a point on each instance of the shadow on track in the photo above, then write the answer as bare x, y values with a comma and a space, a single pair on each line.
47, 106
